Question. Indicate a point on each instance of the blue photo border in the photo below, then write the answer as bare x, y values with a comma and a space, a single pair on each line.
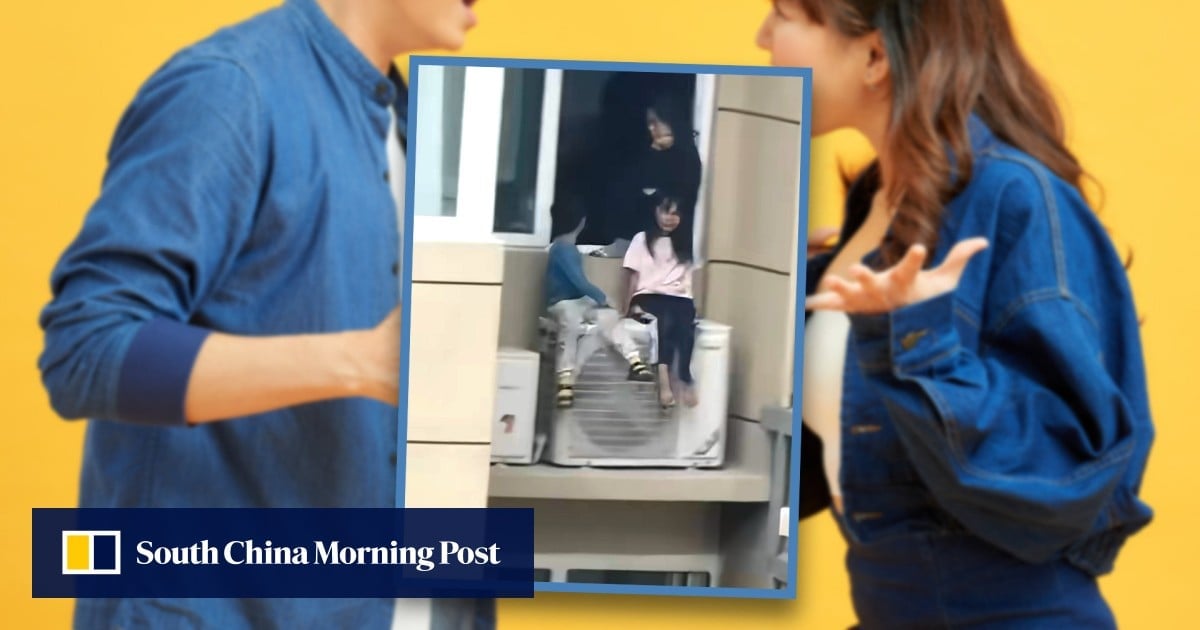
415, 61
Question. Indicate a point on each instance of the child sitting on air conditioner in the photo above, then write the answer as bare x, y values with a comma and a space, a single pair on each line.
659, 268
573, 301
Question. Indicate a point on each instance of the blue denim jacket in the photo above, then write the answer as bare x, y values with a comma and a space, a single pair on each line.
1015, 407
565, 279
246, 192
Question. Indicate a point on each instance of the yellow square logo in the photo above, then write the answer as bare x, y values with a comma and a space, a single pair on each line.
91, 552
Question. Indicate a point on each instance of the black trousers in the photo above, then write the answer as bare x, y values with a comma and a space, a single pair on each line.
676, 330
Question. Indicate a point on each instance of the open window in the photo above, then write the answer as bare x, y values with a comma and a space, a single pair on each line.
498, 147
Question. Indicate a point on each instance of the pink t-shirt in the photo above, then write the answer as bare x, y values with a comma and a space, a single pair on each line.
661, 273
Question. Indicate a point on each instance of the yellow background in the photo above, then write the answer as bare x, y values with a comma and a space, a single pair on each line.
1123, 71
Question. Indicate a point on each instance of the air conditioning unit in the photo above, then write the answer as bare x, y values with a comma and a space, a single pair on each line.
514, 421
616, 422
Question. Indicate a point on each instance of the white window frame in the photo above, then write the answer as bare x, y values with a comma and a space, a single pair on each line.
703, 118
428, 166
547, 166
483, 97
479, 153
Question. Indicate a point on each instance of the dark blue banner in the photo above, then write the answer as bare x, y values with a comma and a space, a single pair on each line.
282, 553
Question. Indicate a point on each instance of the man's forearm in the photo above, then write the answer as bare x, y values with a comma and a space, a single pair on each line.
235, 376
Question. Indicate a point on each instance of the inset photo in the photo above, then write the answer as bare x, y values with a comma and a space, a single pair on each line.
616, 251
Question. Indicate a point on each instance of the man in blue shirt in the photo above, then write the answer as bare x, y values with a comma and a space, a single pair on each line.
573, 301
227, 315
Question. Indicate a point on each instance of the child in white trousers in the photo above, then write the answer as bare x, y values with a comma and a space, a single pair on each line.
574, 302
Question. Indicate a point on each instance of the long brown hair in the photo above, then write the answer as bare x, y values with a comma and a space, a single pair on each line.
948, 59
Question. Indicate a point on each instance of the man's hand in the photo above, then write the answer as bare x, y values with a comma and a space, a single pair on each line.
377, 357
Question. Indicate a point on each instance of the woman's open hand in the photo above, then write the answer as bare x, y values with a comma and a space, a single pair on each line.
870, 292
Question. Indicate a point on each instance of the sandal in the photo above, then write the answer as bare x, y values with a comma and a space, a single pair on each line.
639, 371
566, 396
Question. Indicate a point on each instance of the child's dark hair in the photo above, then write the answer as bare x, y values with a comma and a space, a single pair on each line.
565, 215
681, 236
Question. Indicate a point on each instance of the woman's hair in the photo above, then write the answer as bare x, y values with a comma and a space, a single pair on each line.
625, 98
671, 111
948, 59
681, 236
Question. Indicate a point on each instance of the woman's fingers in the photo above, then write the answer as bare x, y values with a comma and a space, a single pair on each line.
859, 273
905, 272
836, 295
825, 301
903, 284
959, 256
848, 290
873, 287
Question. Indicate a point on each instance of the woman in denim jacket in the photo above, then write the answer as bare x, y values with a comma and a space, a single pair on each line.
973, 364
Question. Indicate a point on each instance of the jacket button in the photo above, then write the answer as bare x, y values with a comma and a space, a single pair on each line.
909, 341
395, 269
392, 459
387, 177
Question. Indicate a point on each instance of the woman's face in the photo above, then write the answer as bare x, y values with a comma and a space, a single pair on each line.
667, 216
793, 39
662, 137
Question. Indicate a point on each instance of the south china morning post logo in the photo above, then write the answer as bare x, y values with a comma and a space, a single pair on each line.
86, 552
294, 552
99, 553
251, 552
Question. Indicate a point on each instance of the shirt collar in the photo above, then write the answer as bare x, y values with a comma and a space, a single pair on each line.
979, 137
332, 41
979, 134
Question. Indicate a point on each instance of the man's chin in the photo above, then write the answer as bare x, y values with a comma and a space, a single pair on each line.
450, 41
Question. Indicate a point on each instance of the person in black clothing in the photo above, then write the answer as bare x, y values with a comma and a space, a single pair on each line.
667, 161
672, 161
643, 142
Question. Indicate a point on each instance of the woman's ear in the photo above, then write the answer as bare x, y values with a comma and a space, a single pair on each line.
878, 70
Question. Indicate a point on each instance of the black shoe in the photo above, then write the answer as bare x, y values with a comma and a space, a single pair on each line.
639, 371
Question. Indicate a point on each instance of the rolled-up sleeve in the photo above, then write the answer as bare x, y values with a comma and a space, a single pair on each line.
177, 204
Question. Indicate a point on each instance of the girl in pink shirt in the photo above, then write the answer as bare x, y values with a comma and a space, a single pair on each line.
659, 268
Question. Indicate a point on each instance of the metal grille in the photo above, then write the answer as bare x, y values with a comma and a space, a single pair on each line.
616, 417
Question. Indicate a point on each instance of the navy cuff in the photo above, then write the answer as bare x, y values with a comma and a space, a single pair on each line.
154, 375
906, 339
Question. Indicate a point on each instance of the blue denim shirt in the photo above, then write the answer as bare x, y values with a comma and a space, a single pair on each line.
1014, 407
246, 192
565, 279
